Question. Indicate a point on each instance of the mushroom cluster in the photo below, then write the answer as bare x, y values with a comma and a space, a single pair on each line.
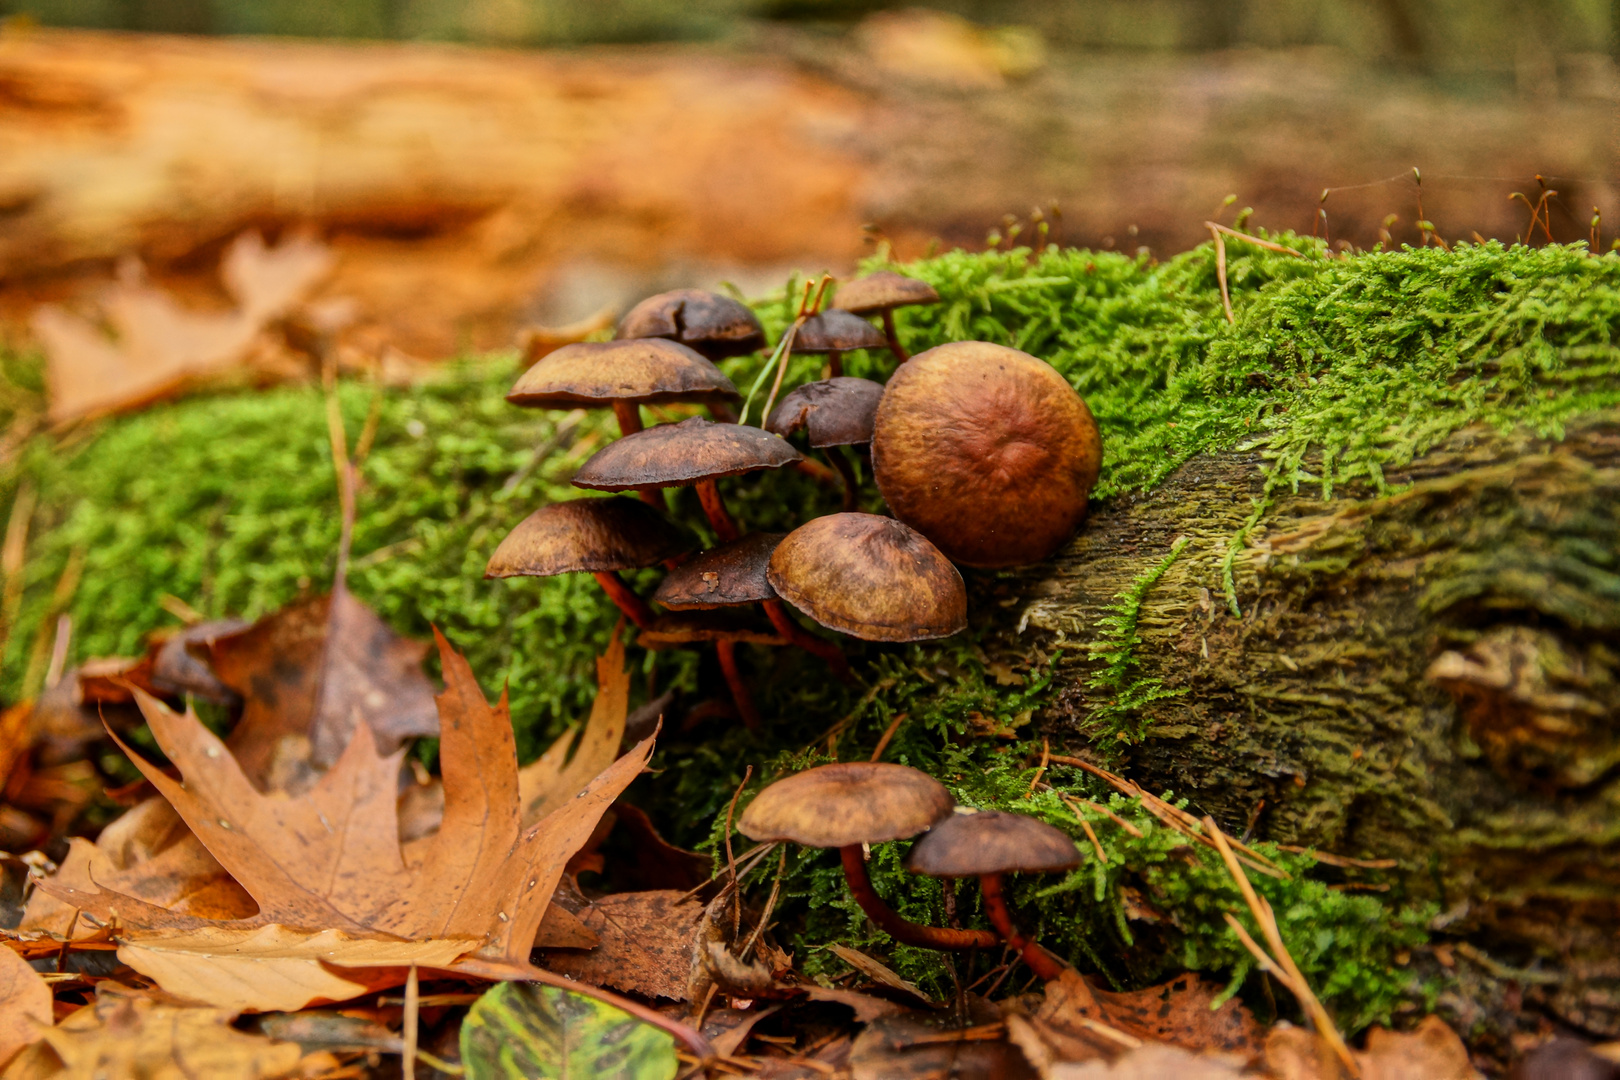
984, 455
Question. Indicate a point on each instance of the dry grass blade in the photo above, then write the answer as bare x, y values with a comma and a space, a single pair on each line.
1075, 804
1220, 271
1224, 230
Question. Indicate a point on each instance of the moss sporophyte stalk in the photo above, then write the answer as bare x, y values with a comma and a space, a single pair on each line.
1335, 372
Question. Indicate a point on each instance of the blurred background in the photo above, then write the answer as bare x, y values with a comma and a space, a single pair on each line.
477, 166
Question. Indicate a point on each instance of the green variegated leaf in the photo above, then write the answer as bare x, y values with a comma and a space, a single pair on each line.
529, 1030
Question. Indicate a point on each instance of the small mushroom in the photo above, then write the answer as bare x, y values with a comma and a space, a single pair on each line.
847, 805
834, 413
870, 577
881, 293
986, 451
716, 326
987, 845
836, 332
592, 536
623, 375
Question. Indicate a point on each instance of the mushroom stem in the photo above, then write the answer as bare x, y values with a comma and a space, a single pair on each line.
895, 347
727, 651
835, 364
1041, 962
798, 635
624, 598
846, 472
903, 930
629, 417
725, 529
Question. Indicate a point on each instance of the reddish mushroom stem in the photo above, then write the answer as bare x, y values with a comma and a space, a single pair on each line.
628, 414
835, 364
727, 651
903, 930
1040, 961
725, 529
895, 347
846, 472
625, 598
798, 635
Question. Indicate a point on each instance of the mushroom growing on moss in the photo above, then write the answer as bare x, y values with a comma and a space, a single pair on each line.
834, 413
879, 294
835, 333
623, 375
716, 326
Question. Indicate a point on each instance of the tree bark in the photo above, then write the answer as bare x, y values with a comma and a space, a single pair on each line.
1431, 676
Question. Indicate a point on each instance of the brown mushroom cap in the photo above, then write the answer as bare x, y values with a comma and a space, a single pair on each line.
733, 573
669, 455
837, 331
857, 802
986, 451
881, 291
588, 535
689, 627
991, 842
870, 577
643, 371
716, 326
834, 412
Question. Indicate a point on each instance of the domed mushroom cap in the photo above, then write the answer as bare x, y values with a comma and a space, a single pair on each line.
834, 412
986, 451
733, 573
588, 535
689, 627
597, 373
716, 326
857, 802
991, 842
837, 331
883, 290
669, 455
870, 577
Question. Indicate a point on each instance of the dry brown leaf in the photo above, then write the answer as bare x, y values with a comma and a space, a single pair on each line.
1430, 1051
644, 944
654, 862
125, 1038
1155, 1061
25, 1005
917, 1046
866, 1007
1081, 1023
878, 972
553, 778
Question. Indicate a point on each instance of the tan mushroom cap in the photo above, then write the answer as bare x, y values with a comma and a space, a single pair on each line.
857, 802
986, 451
870, 577
716, 326
881, 291
597, 373
991, 842
731, 574
588, 535
833, 412
837, 331
670, 455
690, 627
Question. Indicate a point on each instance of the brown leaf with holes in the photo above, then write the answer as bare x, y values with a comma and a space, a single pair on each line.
644, 945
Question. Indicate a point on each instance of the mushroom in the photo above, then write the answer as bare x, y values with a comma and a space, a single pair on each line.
836, 332
716, 326
850, 804
734, 574
624, 375
881, 293
986, 451
593, 536
870, 577
834, 412
694, 451
986, 845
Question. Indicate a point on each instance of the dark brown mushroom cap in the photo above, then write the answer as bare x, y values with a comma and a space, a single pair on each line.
837, 331
716, 326
733, 573
991, 842
598, 373
881, 291
670, 455
689, 627
834, 412
856, 802
588, 535
870, 577
986, 451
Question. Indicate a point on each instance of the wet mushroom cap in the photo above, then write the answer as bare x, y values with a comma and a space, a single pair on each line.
669, 455
690, 627
716, 326
733, 573
870, 577
856, 802
991, 842
597, 373
986, 451
833, 412
837, 331
588, 535
881, 291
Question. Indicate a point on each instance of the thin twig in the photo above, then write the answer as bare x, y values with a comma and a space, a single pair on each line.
1102, 856
731, 860
1220, 270
413, 999
1255, 240
770, 903
1075, 804
888, 734
345, 473
1046, 756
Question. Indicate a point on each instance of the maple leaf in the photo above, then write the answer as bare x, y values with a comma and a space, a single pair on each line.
25, 1005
